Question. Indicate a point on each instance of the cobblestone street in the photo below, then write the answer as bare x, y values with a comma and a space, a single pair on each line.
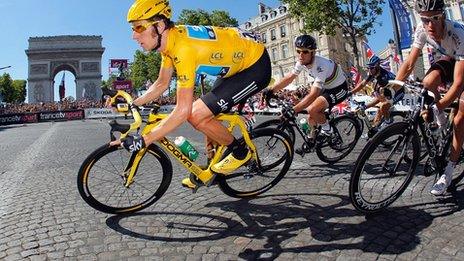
307, 216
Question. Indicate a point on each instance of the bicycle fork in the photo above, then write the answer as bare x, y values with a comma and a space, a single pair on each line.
403, 153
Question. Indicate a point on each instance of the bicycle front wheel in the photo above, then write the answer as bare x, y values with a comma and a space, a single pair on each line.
346, 133
275, 154
279, 124
102, 177
381, 173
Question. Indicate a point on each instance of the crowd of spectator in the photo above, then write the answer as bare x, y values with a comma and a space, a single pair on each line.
69, 104
49, 106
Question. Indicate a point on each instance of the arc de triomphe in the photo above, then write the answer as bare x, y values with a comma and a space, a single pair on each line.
79, 54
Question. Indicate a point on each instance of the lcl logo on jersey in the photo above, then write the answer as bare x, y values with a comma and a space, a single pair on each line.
182, 78
238, 56
216, 57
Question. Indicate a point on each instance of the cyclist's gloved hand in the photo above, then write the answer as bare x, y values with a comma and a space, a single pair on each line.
362, 106
268, 94
133, 143
288, 112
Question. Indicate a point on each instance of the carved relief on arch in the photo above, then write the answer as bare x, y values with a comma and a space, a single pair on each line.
39, 93
90, 67
39, 69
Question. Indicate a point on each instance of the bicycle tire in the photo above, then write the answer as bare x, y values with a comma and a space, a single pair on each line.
270, 169
337, 148
106, 165
277, 123
370, 171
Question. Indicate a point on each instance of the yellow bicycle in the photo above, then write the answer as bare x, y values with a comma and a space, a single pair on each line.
114, 181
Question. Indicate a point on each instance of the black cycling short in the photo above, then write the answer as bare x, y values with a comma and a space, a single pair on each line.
446, 68
227, 92
335, 95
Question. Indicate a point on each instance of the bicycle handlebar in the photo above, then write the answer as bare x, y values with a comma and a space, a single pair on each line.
417, 88
114, 94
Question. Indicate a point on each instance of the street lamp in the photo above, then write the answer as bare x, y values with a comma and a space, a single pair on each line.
6, 67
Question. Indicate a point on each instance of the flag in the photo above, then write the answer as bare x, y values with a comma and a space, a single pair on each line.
61, 89
385, 63
341, 108
369, 51
355, 75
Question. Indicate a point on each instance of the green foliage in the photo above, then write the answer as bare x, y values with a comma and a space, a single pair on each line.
202, 17
12, 91
144, 68
19, 87
356, 18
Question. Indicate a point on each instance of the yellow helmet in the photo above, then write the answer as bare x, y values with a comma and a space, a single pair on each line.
145, 9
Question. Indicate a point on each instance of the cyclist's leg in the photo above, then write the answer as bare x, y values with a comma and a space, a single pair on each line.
226, 93
328, 99
442, 72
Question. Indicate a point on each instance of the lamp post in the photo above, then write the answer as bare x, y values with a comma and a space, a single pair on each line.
6, 67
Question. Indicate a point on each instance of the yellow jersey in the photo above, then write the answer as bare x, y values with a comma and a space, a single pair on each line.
216, 51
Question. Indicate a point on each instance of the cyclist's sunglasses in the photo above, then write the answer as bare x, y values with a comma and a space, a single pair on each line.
142, 27
433, 18
298, 51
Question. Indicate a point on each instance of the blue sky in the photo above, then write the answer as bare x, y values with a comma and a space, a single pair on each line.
21, 19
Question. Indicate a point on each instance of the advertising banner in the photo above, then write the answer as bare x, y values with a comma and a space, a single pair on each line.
125, 85
405, 28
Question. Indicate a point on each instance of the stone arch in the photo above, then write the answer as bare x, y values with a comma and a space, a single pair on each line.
79, 54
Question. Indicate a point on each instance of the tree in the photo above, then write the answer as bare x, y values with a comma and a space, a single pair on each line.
12, 91
356, 18
19, 87
144, 68
202, 17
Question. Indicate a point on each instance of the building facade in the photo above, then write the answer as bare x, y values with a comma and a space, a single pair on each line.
277, 30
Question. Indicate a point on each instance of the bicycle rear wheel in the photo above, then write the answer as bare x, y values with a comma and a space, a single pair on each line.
102, 176
381, 174
275, 155
346, 133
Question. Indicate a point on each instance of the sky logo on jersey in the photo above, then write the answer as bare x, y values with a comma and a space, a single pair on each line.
201, 32
213, 70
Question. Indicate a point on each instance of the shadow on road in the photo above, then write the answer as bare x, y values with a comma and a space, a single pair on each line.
290, 223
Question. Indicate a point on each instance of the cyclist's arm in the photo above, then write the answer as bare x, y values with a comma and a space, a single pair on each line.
359, 86
373, 103
408, 65
157, 88
284, 82
456, 87
178, 116
308, 99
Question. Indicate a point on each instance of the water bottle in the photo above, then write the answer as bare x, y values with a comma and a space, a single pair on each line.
304, 125
186, 148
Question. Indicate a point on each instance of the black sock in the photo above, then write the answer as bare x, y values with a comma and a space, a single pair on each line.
238, 150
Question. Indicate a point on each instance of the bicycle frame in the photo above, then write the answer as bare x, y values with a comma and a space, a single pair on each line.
203, 174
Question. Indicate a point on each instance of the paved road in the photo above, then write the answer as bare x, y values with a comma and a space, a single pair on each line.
307, 216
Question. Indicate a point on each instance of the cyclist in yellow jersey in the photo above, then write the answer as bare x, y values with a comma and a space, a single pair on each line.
242, 65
